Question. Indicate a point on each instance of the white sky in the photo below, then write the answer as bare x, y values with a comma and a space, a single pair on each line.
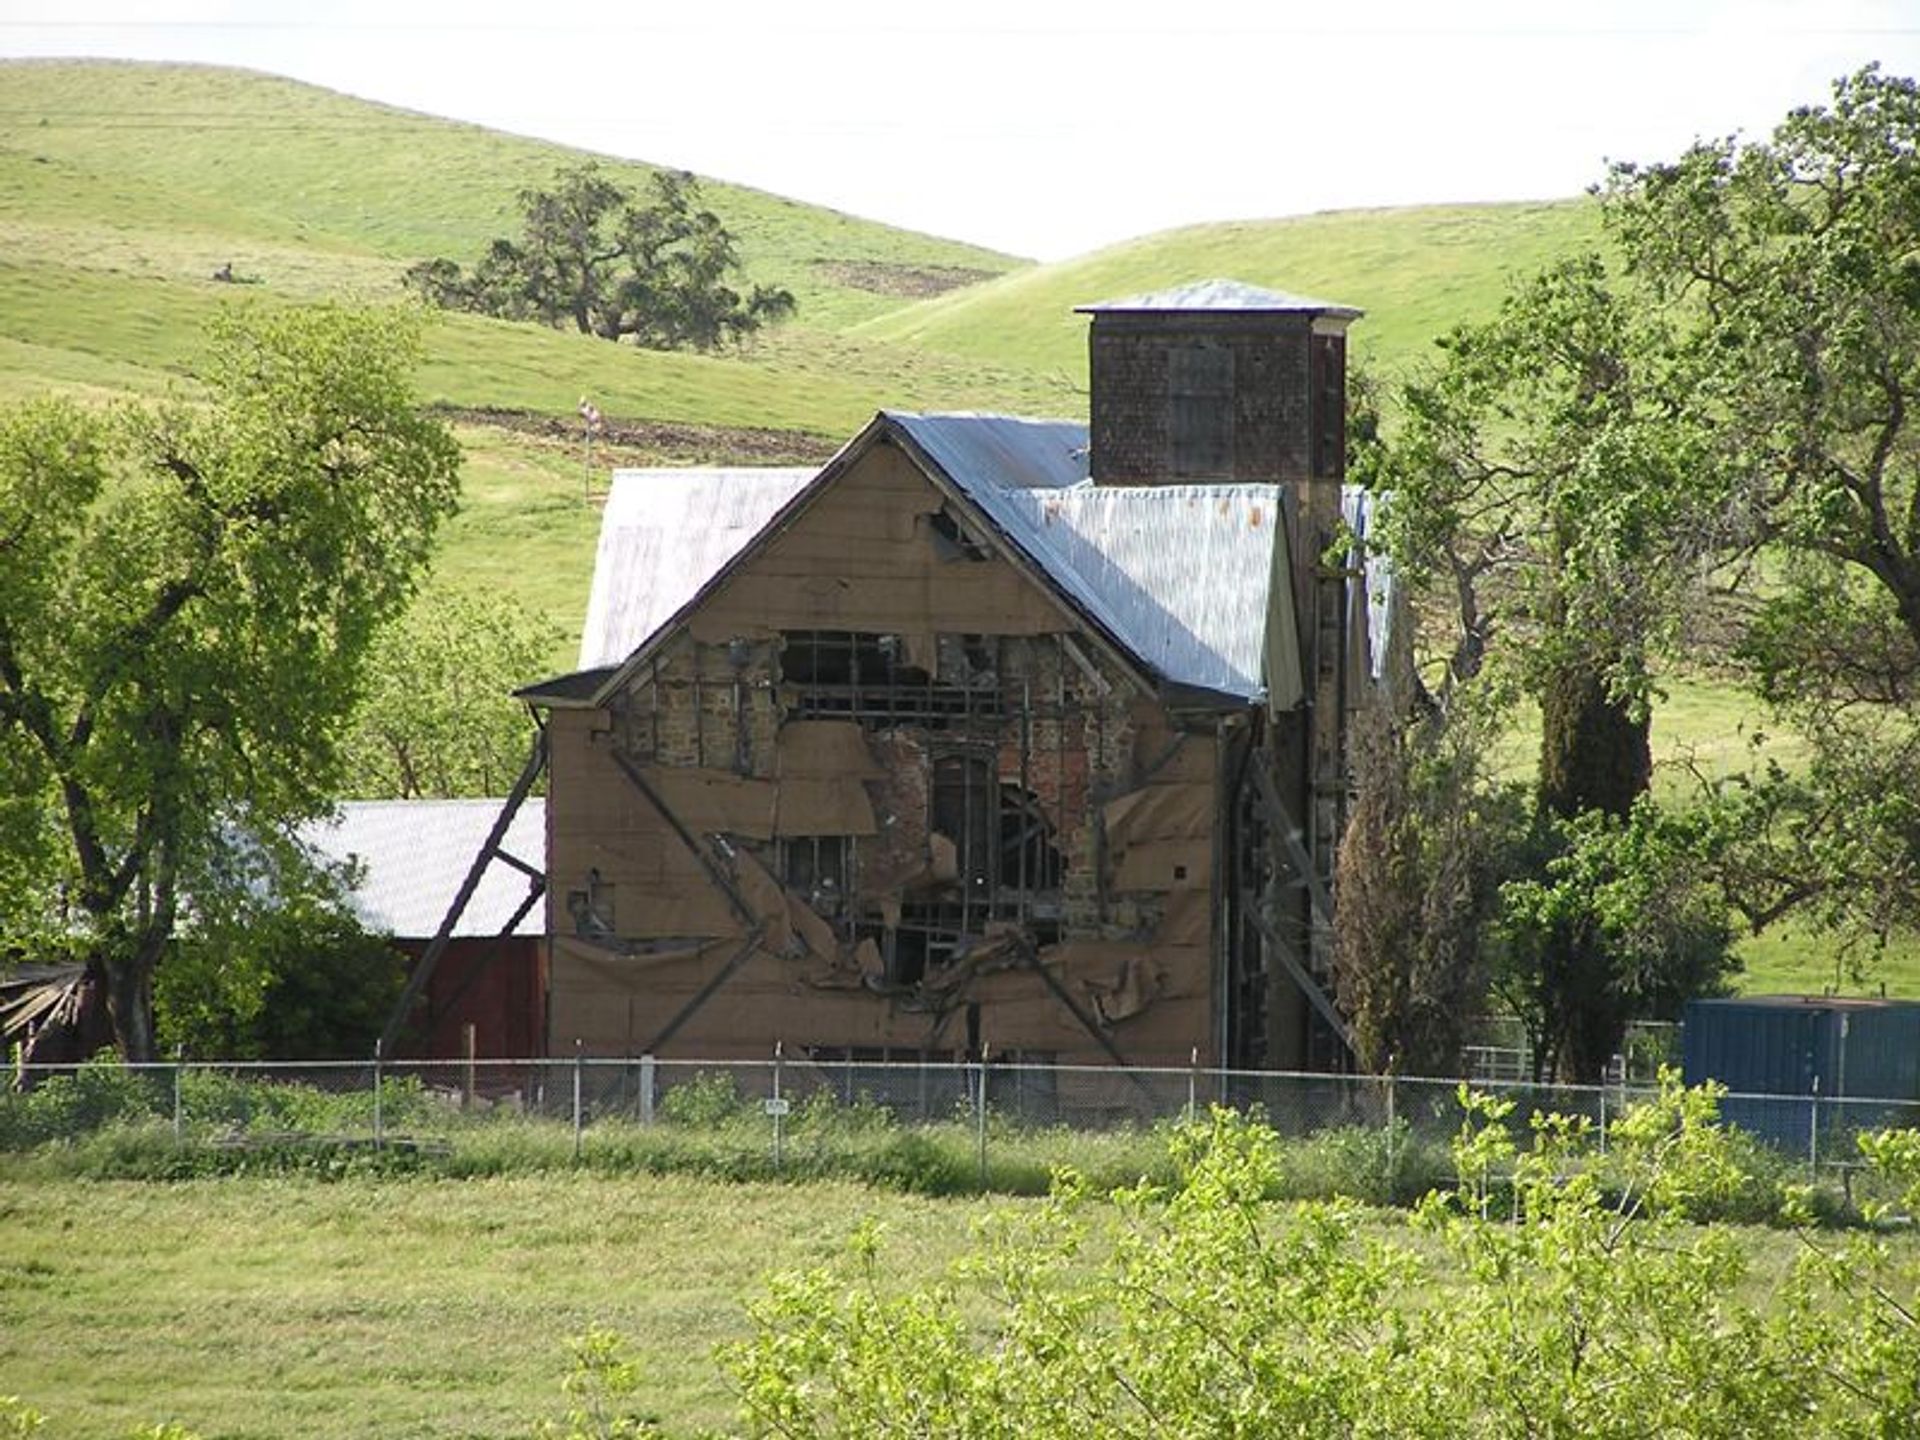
991, 120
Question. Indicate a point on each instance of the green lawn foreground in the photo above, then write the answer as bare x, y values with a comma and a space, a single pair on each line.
264, 1309
253, 1308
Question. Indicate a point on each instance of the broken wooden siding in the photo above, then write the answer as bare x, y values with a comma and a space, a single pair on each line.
882, 795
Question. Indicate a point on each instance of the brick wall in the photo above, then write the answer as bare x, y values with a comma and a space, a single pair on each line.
1131, 414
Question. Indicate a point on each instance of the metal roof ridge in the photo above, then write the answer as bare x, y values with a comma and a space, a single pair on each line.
1220, 295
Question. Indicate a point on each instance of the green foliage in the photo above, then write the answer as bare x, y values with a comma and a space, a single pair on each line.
95, 1095
1786, 268
438, 719
591, 255
294, 977
1558, 1307
1428, 840
1542, 499
705, 1101
186, 611
601, 1384
18, 1420
1641, 898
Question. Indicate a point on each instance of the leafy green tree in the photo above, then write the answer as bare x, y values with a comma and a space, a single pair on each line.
1790, 270
288, 974
593, 255
1625, 920
1429, 838
189, 596
438, 719
1546, 501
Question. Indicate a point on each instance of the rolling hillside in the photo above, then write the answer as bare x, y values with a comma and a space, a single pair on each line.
124, 186
1416, 272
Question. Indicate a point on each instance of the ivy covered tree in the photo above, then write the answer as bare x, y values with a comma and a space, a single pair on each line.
187, 600
595, 256
1429, 839
1546, 497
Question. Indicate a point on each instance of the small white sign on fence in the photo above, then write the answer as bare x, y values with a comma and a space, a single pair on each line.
779, 1106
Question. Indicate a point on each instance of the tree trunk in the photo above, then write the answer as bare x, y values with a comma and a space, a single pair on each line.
130, 1005
1595, 754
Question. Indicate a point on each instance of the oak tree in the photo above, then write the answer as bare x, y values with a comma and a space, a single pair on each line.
1545, 497
593, 255
438, 719
1789, 268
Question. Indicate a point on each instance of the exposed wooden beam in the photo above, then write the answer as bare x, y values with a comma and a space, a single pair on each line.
1309, 987
705, 993
719, 878
1283, 825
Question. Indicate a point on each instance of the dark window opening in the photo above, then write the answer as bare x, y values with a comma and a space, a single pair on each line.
907, 955
1200, 410
842, 657
964, 800
819, 868
952, 540
1028, 857
592, 909
864, 676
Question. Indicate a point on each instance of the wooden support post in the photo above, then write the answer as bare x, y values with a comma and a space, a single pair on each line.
469, 1038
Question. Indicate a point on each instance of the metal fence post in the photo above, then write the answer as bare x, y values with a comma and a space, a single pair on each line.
1813, 1132
179, 1059
579, 1061
980, 1119
379, 1120
646, 1089
778, 1109
1193, 1084
1393, 1172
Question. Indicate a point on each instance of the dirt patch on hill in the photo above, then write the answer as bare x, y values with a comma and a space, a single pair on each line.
912, 282
655, 442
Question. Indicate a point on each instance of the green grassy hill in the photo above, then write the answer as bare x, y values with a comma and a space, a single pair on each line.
1415, 272
125, 186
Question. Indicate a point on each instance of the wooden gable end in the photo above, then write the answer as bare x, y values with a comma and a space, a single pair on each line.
879, 549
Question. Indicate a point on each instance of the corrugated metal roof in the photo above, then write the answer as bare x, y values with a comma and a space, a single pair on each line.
1222, 295
1181, 575
1004, 452
414, 854
663, 535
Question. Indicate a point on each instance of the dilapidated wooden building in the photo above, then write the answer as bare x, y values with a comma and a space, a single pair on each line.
993, 733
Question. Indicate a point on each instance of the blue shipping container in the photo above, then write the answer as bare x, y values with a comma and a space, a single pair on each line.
1810, 1048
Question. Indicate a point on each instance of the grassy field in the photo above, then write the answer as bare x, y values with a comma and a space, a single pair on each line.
263, 1309
124, 186
257, 1309
1416, 272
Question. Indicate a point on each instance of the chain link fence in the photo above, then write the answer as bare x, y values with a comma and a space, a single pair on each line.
951, 1126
